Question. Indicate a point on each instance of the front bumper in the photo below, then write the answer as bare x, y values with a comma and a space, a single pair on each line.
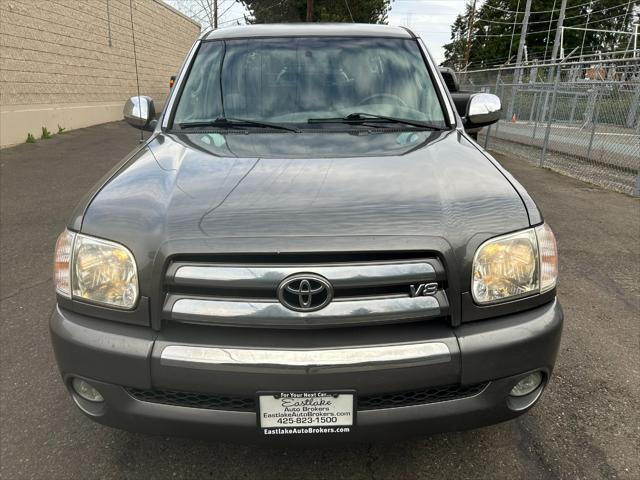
112, 356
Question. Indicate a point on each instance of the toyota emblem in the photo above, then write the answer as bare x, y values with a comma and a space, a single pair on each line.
305, 292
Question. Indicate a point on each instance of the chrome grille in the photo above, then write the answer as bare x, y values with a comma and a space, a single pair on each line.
239, 294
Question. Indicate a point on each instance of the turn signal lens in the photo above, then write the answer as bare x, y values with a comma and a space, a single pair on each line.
548, 258
506, 268
104, 272
62, 263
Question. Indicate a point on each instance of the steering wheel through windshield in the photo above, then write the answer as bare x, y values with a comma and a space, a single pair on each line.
383, 95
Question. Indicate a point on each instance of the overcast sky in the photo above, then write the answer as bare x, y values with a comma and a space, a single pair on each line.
430, 19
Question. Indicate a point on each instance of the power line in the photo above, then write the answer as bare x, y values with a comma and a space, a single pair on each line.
232, 20
535, 32
501, 60
228, 8
546, 21
202, 11
539, 11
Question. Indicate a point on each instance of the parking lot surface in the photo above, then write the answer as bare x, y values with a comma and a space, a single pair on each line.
585, 427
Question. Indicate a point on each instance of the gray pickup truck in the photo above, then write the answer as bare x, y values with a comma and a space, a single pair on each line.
309, 246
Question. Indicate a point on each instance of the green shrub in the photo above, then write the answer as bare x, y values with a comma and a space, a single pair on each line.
61, 129
31, 138
46, 134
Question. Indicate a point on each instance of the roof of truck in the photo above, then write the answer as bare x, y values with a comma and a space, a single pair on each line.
308, 30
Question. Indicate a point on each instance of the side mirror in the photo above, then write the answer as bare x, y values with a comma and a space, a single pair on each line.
482, 109
140, 112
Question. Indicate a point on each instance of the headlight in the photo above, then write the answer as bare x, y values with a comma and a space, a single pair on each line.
96, 271
514, 266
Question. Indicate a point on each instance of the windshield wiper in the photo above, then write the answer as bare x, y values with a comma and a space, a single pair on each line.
226, 122
367, 117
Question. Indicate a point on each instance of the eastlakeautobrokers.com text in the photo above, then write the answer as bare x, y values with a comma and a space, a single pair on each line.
294, 431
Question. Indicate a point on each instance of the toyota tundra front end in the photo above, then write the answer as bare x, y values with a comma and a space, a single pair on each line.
309, 245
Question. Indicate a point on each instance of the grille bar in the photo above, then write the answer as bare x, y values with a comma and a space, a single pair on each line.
268, 277
368, 402
291, 361
273, 314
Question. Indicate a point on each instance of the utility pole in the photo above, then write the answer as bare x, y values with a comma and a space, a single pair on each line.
523, 39
556, 41
215, 14
546, 40
554, 55
586, 27
518, 70
467, 51
513, 30
309, 10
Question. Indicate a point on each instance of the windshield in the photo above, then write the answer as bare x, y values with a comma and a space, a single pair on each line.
294, 80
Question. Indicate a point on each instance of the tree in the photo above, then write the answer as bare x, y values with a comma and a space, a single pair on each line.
276, 11
495, 40
454, 51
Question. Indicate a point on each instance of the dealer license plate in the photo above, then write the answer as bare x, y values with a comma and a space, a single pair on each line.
285, 413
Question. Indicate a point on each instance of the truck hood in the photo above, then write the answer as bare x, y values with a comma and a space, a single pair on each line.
212, 192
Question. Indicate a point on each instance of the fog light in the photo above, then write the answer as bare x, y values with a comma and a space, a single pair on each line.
86, 391
527, 385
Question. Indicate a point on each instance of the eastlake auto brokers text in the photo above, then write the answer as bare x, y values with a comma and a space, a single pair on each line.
303, 407
296, 405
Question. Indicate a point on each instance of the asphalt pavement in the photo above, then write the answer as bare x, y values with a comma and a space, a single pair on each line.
585, 427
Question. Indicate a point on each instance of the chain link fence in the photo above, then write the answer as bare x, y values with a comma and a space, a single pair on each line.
580, 118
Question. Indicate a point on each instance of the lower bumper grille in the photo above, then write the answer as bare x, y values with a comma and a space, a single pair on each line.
366, 402
419, 397
196, 400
